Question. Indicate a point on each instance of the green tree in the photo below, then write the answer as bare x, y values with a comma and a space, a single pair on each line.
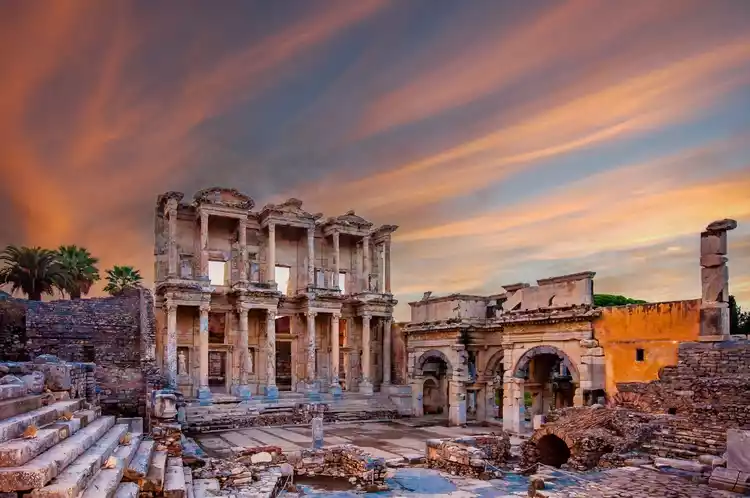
614, 300
81, 268
33, 270
739, 321
122, 278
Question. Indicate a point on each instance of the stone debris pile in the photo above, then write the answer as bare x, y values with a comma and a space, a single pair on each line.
468, 456
252, 476
586, 437
344, 461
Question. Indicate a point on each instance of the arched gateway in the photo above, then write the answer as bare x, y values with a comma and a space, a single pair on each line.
431, 384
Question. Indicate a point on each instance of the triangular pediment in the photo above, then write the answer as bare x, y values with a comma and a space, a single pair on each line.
227, 197
291, 208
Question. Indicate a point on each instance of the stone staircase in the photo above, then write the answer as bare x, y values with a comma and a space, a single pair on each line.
229, 413
687, 443
68, 449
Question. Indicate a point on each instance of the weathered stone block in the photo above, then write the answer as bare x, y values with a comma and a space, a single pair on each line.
714, 321
713, 243
738, 450
715, 284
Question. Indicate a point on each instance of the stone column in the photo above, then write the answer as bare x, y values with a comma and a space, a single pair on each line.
714, 315
243, 249
204, 245
271, 256
243, 389
336, 255
311, 387
272, 392
457, 401
387, 352
366, 261
513, 409
335, 386
388, 265
311, 257
381, 263
170, 351
204, 393
417, 395
172, 255
365, 387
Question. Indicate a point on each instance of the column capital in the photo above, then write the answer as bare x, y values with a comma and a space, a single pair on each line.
241, 310
205, 307
271, 226
204, 217
336, 316
271, 314
312, 314
366, 315
170, 305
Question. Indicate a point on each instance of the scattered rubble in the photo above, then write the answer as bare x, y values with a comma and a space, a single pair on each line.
473, 456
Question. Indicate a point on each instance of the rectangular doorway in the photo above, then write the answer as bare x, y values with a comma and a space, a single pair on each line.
284, 365
217, 371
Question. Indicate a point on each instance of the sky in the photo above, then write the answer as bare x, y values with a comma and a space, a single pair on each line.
510, 141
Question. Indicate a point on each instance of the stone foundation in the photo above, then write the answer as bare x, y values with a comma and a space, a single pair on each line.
343, 461
468, 456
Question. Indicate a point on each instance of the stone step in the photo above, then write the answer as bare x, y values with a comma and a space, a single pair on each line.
17, 452
10, 391
13, 427
81, 467
154, 480
139, 465
205, 488
127, 490
174, 479
106, 481
188, 482
16, 406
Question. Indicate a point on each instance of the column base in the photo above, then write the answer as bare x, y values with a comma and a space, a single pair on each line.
204, 396
242, 391
272, 393
365, 388
335, 389
312, 391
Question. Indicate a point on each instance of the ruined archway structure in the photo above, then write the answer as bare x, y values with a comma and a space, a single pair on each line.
487, 338
434, 367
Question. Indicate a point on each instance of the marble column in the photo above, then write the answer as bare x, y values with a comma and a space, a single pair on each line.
243, 389
365, 387
271, 256
243, 249
336, 255
272, 392
170, 351
714, 313
204, 245
388, 266
513, 405
312, 388
417, 396
204, 393
366, 261
386, 352
457, 408
311, 257
381, 273
335, 386
172, 256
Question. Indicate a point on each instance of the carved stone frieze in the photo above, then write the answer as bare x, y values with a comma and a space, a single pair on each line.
226, 197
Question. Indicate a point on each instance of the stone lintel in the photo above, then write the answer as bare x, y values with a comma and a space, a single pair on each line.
573, 277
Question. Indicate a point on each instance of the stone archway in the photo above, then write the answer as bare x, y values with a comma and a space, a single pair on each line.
492, 376
523, 363
432, 384
432, 354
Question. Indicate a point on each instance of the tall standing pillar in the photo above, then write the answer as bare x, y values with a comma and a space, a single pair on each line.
271, 256
272, 392
366, 261
204, 393
714, 315
243, 389
312, 387
204, 245
336, 255
172, 256
243, 249
311, 257
170, 352
335, 386
365, 387
387, 352
381, 273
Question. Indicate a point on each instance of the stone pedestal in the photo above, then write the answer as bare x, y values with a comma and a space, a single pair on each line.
365, 387
271, 393
204, 396
312, 391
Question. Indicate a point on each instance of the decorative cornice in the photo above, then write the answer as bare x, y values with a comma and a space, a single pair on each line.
162, 199
288, 211
226, 197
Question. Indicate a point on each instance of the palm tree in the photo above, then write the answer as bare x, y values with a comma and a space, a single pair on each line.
34, 270
122, 278
80, 265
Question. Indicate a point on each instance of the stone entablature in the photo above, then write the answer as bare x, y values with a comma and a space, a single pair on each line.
226, 276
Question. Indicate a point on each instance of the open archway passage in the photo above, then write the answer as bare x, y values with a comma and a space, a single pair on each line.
552, 451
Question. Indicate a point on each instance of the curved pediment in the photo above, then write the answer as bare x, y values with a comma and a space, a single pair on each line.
350, 219
290, 209
221, 196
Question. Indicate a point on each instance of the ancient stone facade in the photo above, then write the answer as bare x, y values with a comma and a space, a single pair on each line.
253, 302
477, 356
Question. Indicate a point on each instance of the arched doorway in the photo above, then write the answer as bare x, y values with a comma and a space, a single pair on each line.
550, 380
494, 374
434, 367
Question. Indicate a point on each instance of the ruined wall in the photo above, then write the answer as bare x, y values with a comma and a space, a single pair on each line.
13, 330
398, 363
657, 328
105, 331
449, 307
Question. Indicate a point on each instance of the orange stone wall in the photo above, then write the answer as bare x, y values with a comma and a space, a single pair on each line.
657, 328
